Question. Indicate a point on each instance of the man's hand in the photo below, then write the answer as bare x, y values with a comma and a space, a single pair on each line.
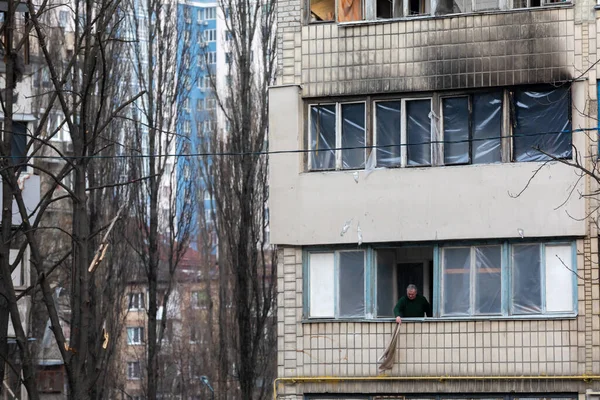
398, 320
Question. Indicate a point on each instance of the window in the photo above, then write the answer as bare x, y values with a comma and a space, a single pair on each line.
134, 370
502, 279
20, 273
228, 36
361, 10
211, 103
63, 19
522, 124
228, 58
210, 13
472, 126
199, 299
410, 146
186, 105
200, 105
211, 57
210, 35
136, 301
19, 145
187, 128
542, 123
326, 134
200, 15
50, 379
135, 335
337, 284
186, 15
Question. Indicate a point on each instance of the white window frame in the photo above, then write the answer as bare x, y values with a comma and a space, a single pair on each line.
21, 275
134, 370
135, 335
210, 13
136, 301
338, 134
403, 132
210, 35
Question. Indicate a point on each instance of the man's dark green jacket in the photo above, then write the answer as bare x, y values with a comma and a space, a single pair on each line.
415, 308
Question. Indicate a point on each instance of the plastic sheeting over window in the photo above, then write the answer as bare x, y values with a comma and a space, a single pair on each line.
351, 301
472, 128
457, 281
418, 132
542, 126
353, 135
456, 130
387, 117
472, 281
322, 136
487, 127
526, 279
559, 294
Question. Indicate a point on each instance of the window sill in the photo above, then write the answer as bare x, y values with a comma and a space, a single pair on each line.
446, 319
422, 17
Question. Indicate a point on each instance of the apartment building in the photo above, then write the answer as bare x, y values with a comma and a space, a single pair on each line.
430, 138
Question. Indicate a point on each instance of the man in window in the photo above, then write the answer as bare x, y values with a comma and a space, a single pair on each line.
413, 305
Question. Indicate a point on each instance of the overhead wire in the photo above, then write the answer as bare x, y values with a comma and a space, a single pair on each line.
297, 151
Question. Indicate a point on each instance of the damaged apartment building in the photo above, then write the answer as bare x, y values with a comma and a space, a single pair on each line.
431, 143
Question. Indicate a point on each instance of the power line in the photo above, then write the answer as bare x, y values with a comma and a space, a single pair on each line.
301, 151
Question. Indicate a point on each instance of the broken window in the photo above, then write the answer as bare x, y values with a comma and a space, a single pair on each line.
322, 10
418, 132
350, 10
472, 282
387, 118
326, 136
388, 9
541, 124
472, 127
322, 136
337, 284
501, 279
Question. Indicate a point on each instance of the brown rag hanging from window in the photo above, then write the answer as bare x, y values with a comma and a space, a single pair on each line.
387, 358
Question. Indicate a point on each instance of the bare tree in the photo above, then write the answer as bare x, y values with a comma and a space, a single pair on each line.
82, 89
163, 203
238, 185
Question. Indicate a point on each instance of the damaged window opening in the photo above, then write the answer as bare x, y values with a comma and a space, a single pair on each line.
530, 124
390, 136
541, 123
472, 127
502, 279
369, 10
340, 125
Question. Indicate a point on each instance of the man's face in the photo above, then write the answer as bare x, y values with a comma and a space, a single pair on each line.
411, 294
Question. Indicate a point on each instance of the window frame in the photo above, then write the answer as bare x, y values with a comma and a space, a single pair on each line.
338, 154
437, 146
370, 280
369, 10
139, 301
134, 374
336, 287
137, 338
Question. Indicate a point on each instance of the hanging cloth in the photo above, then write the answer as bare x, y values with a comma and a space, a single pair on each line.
387, 358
